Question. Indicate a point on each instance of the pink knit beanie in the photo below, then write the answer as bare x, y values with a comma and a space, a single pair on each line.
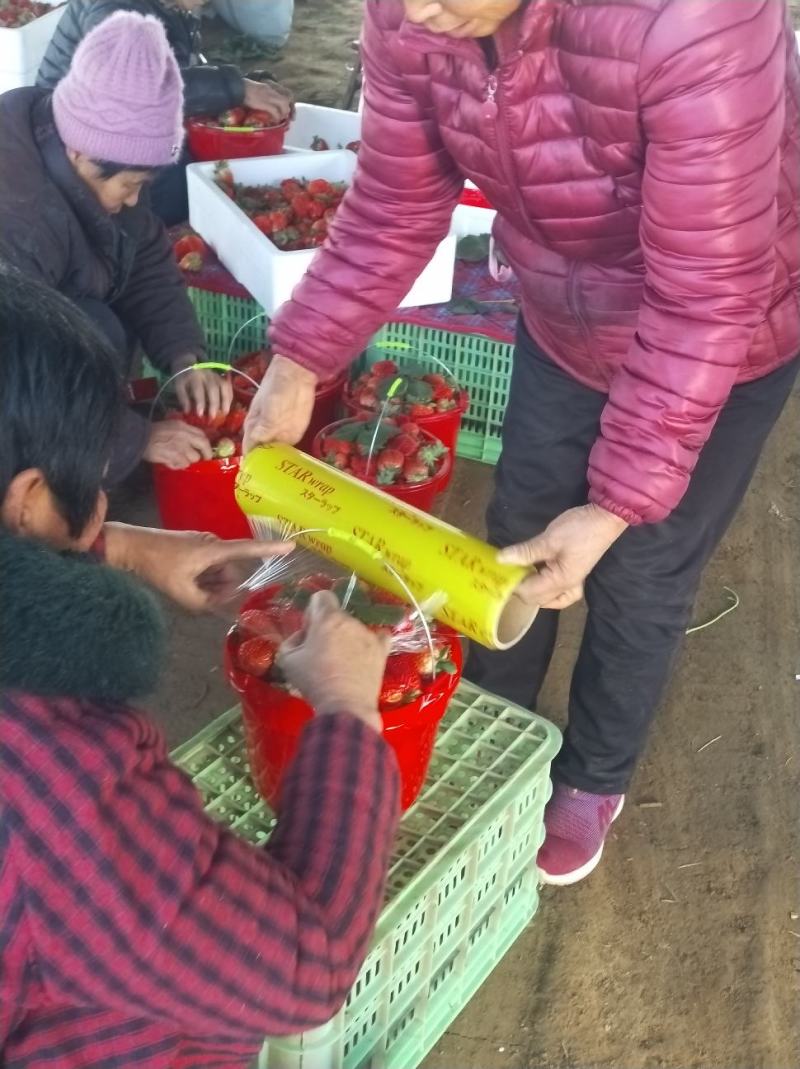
122, 98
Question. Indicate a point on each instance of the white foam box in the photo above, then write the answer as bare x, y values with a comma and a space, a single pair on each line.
22, 49
336, 126
268, 273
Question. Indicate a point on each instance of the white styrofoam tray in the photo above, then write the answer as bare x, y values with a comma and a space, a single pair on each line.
261, 267
23, 49
338, 127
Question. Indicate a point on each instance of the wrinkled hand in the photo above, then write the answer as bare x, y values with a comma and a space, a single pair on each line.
176, 444
564, 554
281, 410
197, 571
204, 392
320, 660
270, 97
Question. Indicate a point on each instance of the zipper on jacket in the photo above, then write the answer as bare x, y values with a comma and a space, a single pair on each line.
494, 98
574, 302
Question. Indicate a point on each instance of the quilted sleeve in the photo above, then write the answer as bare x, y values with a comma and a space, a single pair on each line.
711, 85
394, 215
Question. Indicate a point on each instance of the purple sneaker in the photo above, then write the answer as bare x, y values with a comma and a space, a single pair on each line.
576, 825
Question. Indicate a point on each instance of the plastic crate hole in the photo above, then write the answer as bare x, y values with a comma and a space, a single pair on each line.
451, 884
402, 983
361, 1031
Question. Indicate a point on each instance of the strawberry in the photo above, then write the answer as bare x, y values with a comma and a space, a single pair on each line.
261, 622
256, 656
232, 117
291, 186
225, 447
319, 187
359, 466
192, 261
339, 445
388, 465
319, 144
367, 399
336, 458
234, 421
408, 426
305, 207
383, 368
259, 120
436, 380
421, 411
401, 681
187, 244
405, 444
415, 471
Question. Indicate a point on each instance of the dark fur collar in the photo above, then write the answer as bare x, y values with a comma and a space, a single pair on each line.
74, 628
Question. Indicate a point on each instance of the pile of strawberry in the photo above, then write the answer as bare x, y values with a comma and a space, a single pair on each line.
319, 144
254, 365
416, 394
274, 614
241, 118
190, 251
16, 13
224, 432
401, 452
294, 215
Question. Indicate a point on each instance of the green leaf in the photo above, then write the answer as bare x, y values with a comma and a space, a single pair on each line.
419, 392
473, 248
448, 667
348, 432
377, 615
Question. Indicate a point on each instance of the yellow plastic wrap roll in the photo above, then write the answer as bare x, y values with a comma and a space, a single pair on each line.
279, 483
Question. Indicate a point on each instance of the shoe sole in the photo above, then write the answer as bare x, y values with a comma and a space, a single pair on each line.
568, 878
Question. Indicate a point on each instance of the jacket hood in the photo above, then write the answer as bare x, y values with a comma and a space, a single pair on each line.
71, 627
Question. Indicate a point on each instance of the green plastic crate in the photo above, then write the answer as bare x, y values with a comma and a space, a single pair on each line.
222, 317
481, 364
463, 882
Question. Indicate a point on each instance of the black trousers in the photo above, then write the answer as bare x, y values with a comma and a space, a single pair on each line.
641, 594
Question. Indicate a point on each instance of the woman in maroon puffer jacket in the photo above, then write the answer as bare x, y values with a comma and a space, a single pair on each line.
644, 158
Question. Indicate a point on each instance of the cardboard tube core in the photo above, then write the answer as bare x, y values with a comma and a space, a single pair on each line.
514, 621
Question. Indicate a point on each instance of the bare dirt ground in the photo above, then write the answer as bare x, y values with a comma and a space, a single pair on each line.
683, 949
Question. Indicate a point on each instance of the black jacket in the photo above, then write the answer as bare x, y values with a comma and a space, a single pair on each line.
207, 90
53, 228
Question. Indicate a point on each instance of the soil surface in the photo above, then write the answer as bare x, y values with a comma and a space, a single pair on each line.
683, 949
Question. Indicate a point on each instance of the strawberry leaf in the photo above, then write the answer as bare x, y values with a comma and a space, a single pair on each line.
473, 248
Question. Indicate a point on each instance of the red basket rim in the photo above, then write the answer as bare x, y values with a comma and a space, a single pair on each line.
199, 124
324, 386
440, 686
460, 408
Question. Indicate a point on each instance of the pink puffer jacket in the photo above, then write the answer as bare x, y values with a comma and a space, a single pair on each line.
644, 158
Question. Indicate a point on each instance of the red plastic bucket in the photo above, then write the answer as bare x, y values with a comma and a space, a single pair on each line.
207, 143
474, 198
326, 406
274, 721
201, 498
420, 495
